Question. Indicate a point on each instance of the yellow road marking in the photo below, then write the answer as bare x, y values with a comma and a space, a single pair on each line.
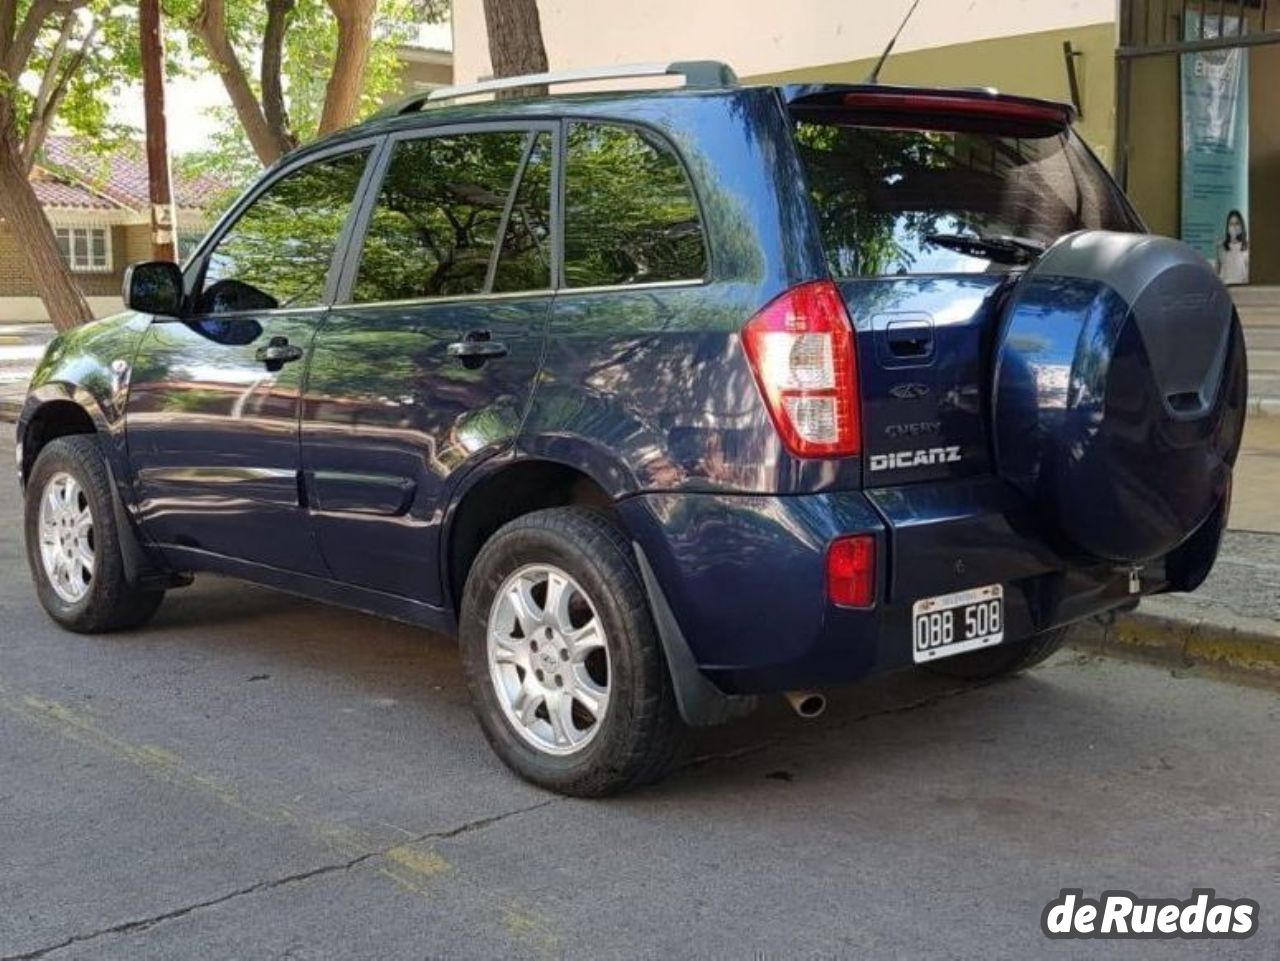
412, 866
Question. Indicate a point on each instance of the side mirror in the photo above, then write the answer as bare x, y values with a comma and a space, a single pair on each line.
154, 287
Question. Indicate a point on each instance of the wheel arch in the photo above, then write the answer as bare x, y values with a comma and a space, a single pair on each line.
56, 410
501, 492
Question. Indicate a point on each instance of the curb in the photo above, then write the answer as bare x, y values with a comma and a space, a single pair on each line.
1263, 407
1234, 646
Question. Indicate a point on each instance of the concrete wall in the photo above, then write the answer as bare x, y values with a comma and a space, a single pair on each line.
764, 36
1264, 164
1154, 137
421, 69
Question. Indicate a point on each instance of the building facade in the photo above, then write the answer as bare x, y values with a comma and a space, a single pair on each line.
99, 208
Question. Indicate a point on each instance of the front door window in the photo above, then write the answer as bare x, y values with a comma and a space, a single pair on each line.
278, 254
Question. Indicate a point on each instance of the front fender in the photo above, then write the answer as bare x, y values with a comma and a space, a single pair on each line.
89, 367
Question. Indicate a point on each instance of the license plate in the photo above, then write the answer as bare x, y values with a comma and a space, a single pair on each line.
955, 623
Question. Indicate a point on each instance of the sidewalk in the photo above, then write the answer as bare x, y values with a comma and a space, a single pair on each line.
1230, 625
21, 346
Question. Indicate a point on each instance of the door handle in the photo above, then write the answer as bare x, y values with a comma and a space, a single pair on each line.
910, 340
277, 352
476, 347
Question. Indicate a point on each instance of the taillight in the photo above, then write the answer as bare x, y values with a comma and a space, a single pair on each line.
851, 571
801, 348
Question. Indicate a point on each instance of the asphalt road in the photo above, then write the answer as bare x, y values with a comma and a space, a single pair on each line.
255, 776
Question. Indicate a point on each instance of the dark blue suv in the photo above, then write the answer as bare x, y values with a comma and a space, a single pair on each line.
659, 400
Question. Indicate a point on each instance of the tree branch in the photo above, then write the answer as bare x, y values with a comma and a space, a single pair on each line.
55, 62
53, 88
273, 105
210, 25
24, 40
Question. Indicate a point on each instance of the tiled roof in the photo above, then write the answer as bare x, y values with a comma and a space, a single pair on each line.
122, 175
58, 193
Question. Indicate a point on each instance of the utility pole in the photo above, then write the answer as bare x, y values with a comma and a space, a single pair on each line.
163, 226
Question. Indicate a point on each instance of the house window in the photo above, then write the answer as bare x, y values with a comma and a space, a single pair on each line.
85, 249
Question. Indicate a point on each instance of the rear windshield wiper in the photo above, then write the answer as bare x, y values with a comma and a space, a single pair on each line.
1000, 249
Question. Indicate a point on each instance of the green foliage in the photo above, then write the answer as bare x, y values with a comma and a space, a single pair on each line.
310, 46
101, 58
228, 157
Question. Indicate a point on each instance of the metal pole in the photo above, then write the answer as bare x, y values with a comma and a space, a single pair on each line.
163, 224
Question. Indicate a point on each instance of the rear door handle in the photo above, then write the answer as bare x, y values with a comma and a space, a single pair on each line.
277, 352
911, 340
476, 348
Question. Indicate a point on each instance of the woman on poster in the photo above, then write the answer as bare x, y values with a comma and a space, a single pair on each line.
1233, 254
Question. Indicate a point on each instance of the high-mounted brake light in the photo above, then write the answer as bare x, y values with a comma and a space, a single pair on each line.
953, 104
801, 348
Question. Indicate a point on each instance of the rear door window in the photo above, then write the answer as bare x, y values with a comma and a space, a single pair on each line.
438, 214
881, 193
630, 212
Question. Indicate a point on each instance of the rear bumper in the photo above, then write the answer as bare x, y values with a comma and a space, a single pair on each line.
744, 576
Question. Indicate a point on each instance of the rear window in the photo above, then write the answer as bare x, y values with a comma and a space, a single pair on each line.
880, 193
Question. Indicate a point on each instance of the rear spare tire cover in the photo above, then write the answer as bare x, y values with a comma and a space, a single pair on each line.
1119, 394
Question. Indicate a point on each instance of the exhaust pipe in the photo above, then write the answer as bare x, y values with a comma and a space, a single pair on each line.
808, 704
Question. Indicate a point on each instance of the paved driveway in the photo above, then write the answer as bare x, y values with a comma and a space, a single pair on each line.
258, 777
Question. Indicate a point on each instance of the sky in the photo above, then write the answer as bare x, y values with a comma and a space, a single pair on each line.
188, 99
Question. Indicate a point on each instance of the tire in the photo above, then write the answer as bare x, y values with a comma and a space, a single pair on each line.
1002, 659
104, 600
585, 560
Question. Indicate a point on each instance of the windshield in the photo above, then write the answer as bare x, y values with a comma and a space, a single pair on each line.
883, 196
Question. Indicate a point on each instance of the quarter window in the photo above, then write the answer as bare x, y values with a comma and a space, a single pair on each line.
279, 252
630, 213
438, 215
85, 249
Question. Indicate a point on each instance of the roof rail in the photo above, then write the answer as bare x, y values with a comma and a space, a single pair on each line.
696, 73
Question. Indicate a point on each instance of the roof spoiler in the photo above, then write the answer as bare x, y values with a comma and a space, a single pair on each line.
976, 103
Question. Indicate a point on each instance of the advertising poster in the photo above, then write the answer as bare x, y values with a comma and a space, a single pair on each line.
1215, 149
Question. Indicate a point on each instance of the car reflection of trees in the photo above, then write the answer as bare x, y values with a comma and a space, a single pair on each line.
379, 383
628, 389
880, 193
435, 223
630, 216
282, 246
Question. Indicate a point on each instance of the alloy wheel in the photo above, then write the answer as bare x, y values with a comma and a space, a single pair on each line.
67, 537
549, 659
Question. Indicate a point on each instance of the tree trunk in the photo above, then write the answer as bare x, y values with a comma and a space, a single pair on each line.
45, 267
346, 82
515, 41
273, 105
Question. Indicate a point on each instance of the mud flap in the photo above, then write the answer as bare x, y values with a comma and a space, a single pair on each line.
140, 567
701, 703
